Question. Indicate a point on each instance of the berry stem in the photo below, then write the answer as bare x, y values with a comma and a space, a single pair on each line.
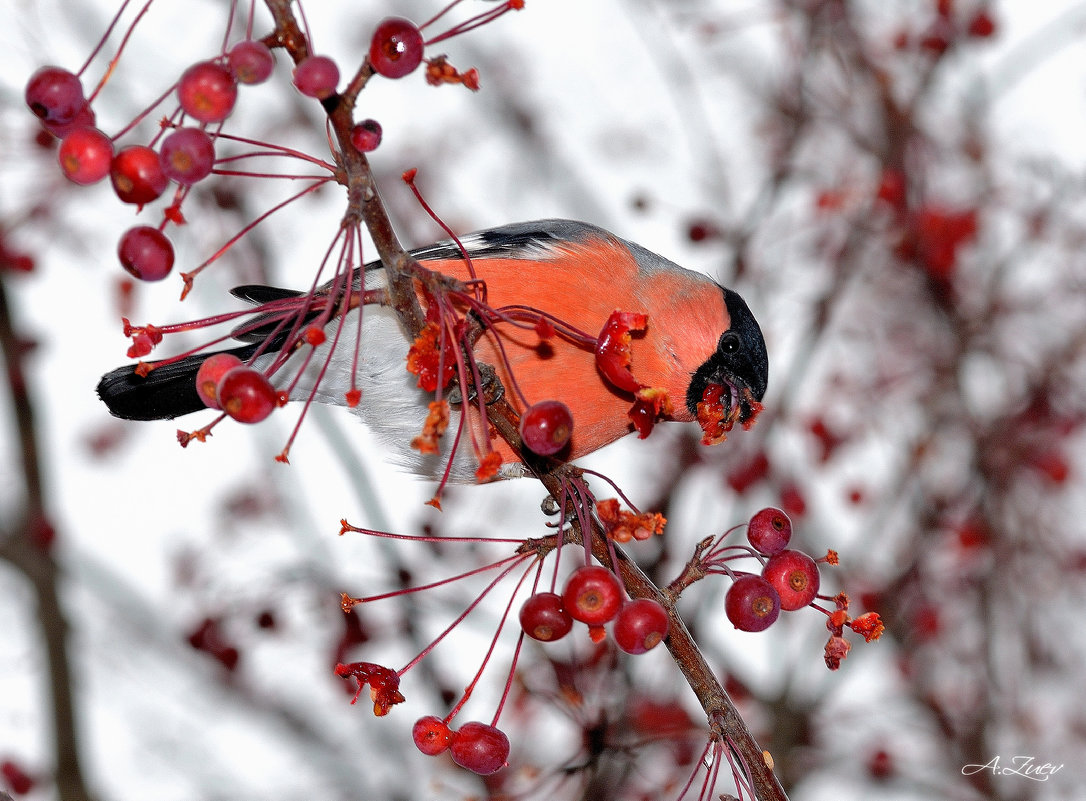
189, 276
490, 652
439, 583
117, 56
346, 527
513, 562
409, 179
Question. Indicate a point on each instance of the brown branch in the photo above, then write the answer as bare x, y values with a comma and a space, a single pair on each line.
363, 199
724, 719
26, 547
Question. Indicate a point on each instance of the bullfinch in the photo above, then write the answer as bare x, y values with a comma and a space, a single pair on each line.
697, 335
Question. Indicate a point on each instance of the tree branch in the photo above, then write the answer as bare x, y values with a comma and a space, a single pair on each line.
26, 547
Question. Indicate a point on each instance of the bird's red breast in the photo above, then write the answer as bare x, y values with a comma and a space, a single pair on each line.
582, 283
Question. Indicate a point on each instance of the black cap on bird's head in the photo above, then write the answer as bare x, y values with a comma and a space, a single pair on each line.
740, 360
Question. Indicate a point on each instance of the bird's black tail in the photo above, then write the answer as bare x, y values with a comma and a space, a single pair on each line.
168, 391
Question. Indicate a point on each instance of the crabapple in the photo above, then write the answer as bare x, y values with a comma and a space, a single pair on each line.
317, 76
246, 395
55, 95
544, 618
146, 253
85, 155
207, 91
431, 735
546, 427
794, 575
211, 371
769, 531
396, 48
137, 175
752, 604
592, 595
480, 748
641, 625
250, 62
187, 155
366, 135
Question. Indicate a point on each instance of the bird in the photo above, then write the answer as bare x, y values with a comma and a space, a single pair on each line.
698, 334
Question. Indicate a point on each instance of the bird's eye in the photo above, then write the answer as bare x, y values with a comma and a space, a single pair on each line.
729, 343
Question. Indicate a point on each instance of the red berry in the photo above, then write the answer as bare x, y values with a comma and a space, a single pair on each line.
146, 253
769, 531
431, 735
544, 618
137, 175
794, 575
246, 395
752, 604
187, 155
55, 95
250, 62
640, 626
209, 375
546, 427
396, 48
480, 748
317, 76
207, 92
592, 595
85, 155
20, 782
982, 25
366, 136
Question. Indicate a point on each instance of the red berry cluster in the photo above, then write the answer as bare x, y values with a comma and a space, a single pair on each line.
475, 746
789, 579
140, 174
594, 596
245, 394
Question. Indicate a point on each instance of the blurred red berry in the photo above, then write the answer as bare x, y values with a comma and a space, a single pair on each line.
137, 175
16, 777
250, 62
748, 473
207, 92
85, 155
317, 76
145, 253
982, 25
